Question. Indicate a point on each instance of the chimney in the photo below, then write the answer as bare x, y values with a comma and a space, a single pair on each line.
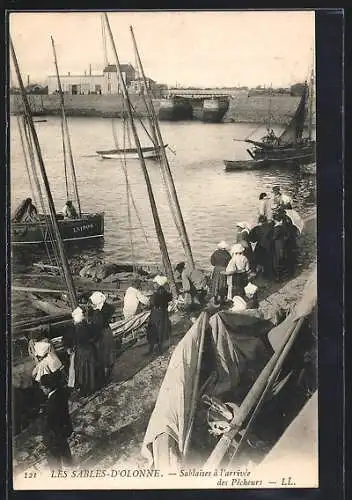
69, 74
27, 79
90, 70
85, 73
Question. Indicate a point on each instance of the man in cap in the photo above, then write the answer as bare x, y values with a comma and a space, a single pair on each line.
69, 210
194, 286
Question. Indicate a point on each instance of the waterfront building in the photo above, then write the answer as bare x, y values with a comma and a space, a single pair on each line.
77, 84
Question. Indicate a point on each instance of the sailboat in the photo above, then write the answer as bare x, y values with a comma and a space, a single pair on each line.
38, 229
290, 146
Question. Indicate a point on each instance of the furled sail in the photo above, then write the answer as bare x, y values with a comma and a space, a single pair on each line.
293, 132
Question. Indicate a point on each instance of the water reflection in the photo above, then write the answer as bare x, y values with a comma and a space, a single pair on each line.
211, 199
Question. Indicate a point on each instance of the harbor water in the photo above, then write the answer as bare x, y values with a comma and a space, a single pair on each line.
212, 200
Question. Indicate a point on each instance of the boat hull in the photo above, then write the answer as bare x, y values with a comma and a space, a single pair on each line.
236, 165
89, 226
301, 153
130, 154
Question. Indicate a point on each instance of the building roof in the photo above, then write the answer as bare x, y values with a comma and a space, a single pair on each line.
111, 68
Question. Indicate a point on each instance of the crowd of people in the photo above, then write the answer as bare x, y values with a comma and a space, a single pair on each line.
269, 248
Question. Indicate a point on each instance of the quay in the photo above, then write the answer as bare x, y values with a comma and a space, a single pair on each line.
242, 107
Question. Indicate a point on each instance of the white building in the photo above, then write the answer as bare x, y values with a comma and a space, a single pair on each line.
77, 84
111, 82
106, 83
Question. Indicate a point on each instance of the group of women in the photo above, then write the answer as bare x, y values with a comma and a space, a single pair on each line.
90, 347
269, 248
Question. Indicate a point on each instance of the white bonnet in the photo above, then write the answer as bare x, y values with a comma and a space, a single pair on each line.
160, 280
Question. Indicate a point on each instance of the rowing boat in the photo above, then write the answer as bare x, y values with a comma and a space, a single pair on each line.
131, 153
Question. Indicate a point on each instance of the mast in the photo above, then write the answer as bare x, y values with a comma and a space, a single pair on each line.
158, 229
178, 218
64, 119
60, 245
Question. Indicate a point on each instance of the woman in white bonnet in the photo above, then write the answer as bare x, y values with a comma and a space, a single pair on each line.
219, 259
100, 320
86, 364
159, 326
237, 270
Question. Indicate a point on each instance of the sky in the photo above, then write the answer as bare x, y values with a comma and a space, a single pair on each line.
209, 49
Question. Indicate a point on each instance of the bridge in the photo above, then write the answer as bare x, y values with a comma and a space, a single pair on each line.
204, 93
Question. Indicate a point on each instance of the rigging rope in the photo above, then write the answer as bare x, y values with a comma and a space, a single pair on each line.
64, 153
124, 168
49, 228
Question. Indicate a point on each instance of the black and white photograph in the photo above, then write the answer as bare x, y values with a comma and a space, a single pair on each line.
163, 228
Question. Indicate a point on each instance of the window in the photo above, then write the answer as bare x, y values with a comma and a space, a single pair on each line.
109, 88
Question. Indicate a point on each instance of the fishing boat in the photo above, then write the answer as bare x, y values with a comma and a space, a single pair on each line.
86, 227
150, 152
290, 145
39, 229
234, 165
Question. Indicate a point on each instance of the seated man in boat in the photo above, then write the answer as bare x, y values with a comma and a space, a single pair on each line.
69, 210
270, 138
133, 298
194, 286
26, 212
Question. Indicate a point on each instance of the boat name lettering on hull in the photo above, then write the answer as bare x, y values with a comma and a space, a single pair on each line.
79, 229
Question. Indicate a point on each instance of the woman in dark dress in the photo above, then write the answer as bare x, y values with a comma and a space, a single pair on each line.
159, 326
219, 259
279, 246
86, 365
290, 246
262, 235
99, 321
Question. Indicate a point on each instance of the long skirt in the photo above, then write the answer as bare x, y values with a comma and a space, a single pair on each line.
106, 349
239, 281
159, 327
279, 258
218, 285
86, 368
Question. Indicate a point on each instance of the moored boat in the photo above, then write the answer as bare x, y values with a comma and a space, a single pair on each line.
233, 165
131, 153
290, 145
87, 226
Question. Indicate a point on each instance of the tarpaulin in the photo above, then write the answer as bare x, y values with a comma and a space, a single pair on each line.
239, 350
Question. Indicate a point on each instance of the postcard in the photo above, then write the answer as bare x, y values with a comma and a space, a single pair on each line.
163, 238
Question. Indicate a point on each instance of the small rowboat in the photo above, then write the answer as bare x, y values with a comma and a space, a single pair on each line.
131, 153
231, 165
